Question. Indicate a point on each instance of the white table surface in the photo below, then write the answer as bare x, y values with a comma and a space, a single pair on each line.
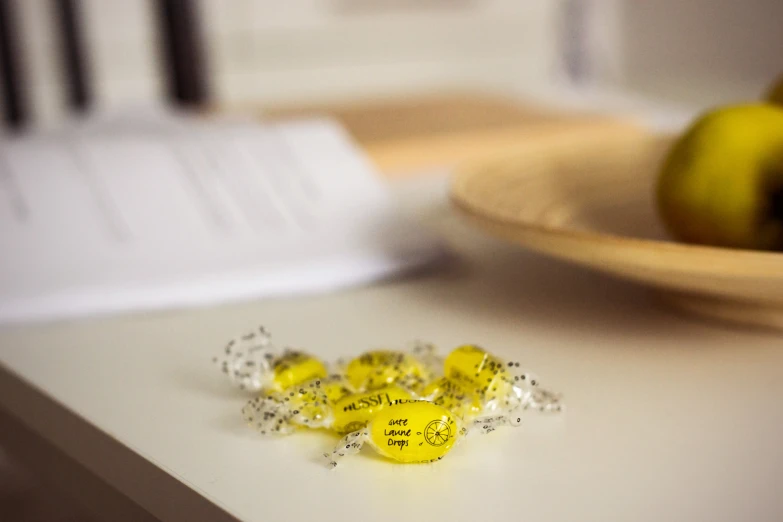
668, 418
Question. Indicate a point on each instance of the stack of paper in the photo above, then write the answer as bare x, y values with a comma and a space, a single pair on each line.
170, 212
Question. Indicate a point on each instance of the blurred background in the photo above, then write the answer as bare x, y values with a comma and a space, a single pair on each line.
253, 56
260, 53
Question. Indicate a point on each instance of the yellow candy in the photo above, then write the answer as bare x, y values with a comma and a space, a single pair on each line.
478, 371
355, 411
319, 404
454, 397
293, 368
378, 368
409, 432
278, 413
414, 432
335, 387
309, 404
499, 386
254, 363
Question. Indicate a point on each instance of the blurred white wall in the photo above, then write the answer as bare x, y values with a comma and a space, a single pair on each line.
264, 51
267, 51
691, 51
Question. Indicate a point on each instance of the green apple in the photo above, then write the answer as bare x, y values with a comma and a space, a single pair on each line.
722, 182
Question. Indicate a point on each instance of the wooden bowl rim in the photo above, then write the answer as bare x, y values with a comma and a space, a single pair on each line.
743, 261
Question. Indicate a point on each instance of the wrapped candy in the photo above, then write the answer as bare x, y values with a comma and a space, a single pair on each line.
311, 406
377, 368
416, 431
410, 406
253, 363
345, 402
477, 393
478, 383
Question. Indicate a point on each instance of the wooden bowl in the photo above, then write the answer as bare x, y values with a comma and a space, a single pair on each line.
589, 199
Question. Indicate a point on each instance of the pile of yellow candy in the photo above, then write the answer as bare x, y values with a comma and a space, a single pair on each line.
410, 406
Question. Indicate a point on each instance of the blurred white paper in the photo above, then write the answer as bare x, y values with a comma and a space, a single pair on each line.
151, 214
